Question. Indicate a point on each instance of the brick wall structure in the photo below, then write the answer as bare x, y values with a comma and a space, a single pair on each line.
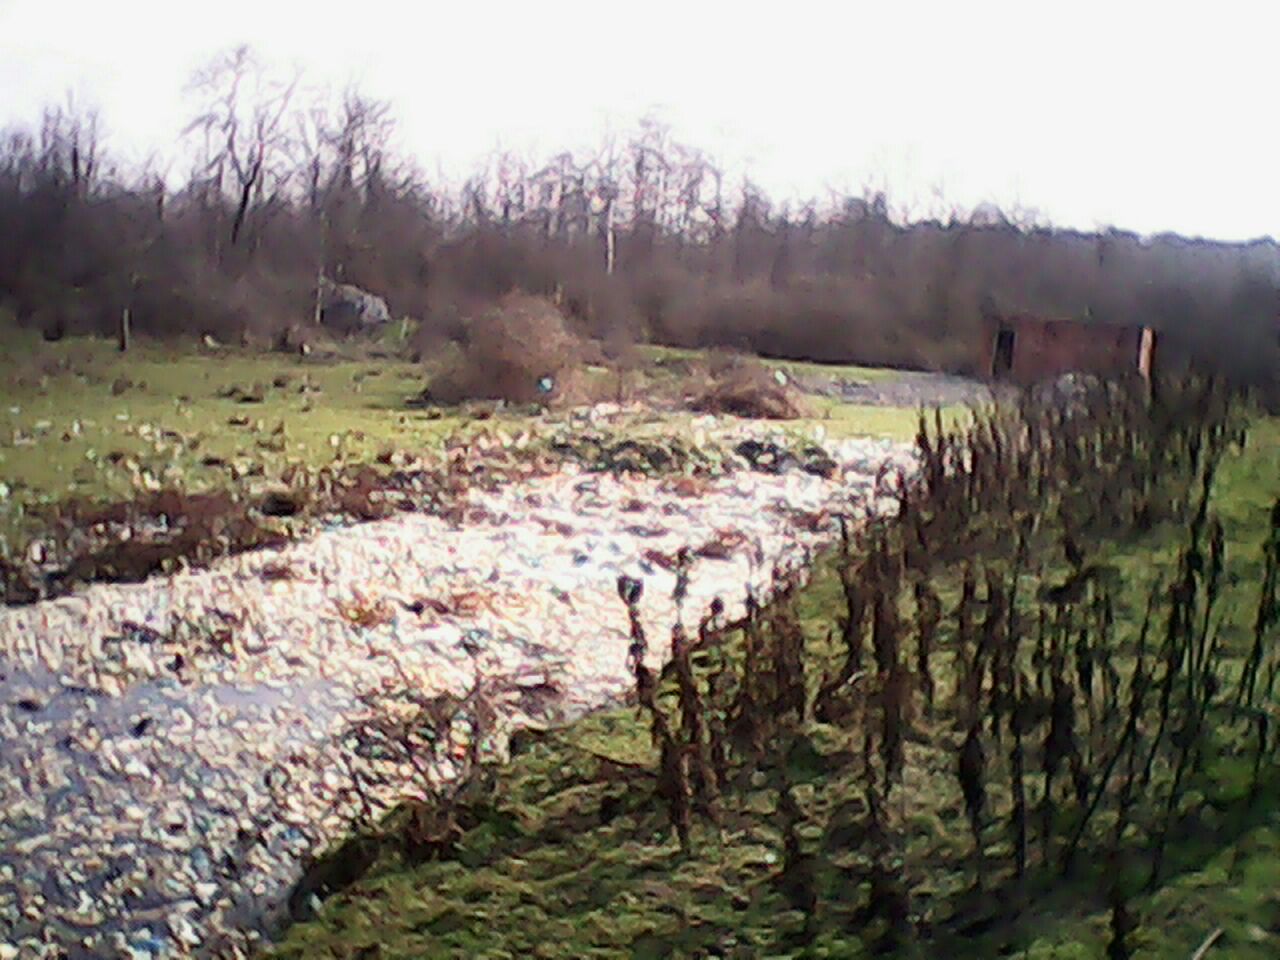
1026, 349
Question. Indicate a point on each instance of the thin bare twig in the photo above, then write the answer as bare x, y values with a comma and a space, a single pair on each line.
1209, 941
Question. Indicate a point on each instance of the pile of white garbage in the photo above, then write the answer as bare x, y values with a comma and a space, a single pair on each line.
168, 750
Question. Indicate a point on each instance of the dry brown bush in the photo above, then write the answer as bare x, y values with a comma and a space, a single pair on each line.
510, 348
743, 387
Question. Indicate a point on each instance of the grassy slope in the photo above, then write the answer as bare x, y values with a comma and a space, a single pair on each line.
575, 859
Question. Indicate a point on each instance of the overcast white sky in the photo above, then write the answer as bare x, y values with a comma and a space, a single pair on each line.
1147, 116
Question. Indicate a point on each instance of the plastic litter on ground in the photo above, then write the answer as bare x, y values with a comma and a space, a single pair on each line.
169, 747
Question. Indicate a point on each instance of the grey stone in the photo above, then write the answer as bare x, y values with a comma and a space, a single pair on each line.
347, 308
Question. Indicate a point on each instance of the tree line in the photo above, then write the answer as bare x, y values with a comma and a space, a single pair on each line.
643, 238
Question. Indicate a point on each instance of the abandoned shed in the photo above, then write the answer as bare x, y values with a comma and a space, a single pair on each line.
1026, 349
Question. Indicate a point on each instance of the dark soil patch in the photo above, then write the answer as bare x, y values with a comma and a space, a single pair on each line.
127, 541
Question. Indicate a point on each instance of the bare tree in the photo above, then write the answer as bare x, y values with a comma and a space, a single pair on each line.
69, 146
243, 125
606, 179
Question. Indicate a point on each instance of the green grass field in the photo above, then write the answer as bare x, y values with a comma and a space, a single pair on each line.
80, 420
790, 367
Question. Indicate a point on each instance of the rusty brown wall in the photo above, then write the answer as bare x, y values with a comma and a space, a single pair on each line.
1044, 349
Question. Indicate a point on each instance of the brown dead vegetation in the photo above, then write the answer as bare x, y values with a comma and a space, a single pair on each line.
128, 541
519, 351
742, 387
